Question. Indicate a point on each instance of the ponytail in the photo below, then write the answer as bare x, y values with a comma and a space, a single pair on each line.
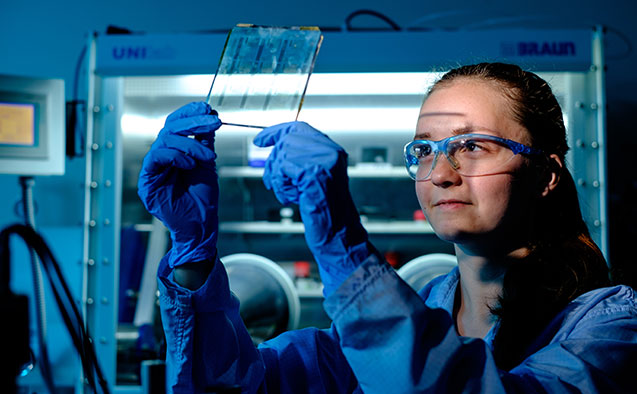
564, 263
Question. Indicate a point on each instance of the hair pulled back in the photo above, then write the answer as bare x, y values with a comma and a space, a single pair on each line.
563, 262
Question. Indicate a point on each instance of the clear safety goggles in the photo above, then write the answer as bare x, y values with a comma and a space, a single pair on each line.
468, 154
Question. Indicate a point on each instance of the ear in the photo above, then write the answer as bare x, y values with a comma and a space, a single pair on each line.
552, 175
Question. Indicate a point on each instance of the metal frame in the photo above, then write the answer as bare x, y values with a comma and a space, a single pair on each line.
587, 140
101, 225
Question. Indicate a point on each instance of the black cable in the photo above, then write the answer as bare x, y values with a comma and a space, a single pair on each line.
68, 309
377, 14
83, 341
622, 36
72, 330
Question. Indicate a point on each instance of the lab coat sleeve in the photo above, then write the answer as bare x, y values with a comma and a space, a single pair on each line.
208, 346
394, 343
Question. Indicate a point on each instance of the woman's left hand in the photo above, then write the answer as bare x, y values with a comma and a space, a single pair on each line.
309, 169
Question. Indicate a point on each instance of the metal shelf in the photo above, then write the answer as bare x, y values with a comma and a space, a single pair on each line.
263, 227
371, 171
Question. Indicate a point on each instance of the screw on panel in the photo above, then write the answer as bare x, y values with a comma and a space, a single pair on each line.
105, 261
594, 106
96, 108
581, 182
597, 223
579, 104
95, 146
594, 144
107, 222
109, 145
89, 301
579, 143
90, 262
107, 183
93, 185
92, 223
110, 107
595, 183
104, 300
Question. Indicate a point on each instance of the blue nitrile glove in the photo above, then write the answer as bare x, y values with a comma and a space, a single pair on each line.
309, 169
178, 182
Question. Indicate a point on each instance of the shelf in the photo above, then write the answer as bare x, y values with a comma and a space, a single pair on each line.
365, 171
263, 227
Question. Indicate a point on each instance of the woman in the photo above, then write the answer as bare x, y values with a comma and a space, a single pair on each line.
526, 310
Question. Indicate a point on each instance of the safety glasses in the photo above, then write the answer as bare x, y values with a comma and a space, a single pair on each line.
468, 154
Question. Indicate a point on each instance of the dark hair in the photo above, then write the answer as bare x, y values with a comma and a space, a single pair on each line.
563, 262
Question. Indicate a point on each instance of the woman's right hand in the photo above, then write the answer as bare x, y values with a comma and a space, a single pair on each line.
178, 182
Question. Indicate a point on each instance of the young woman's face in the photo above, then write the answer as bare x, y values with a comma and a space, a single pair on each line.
476, 210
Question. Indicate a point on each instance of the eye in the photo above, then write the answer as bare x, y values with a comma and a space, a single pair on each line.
473, 146
422, 150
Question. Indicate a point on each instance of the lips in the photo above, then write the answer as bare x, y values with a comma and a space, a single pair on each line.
450, 202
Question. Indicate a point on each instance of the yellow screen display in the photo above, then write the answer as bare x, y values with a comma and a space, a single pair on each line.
17, 124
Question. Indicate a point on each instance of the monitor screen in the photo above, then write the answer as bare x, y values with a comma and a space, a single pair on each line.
32, 129
17, 124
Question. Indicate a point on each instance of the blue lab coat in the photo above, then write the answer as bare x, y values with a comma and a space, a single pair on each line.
386, 338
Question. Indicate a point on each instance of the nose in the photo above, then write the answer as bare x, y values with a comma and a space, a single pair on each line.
443, 174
